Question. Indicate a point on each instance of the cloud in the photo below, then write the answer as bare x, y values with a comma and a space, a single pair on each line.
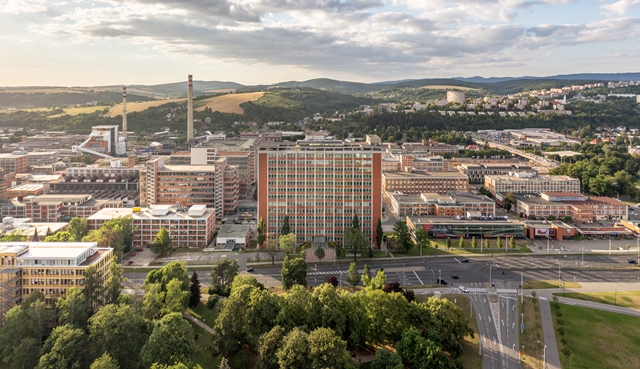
620, 7
21, 6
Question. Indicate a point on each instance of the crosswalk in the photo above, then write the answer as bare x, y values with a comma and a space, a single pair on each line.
476, 290
345, 271
507, 290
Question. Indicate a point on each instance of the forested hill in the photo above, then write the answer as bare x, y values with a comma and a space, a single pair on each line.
22, 100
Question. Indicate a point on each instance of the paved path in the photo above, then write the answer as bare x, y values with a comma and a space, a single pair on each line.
201, 324
553, 357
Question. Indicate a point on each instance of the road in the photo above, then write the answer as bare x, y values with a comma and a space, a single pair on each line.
542, 161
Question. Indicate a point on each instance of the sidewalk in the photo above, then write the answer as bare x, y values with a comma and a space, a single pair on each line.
553, 358
199, 323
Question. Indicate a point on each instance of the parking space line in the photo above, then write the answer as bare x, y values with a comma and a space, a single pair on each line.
414, 272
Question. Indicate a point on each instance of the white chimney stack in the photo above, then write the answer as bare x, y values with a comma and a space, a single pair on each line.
190, 111
124, 114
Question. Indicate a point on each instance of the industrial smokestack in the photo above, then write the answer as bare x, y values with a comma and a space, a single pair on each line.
190, 111
124, 114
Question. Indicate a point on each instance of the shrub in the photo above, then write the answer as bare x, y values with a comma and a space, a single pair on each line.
212, 301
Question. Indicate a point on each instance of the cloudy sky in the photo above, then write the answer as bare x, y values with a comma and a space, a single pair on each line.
77, 42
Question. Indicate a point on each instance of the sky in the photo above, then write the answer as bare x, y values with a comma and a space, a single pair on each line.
125, 42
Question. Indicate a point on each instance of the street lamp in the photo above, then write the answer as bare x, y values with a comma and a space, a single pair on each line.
433, 275
559, 275
404, 275
544, 355
490, 266
582, 248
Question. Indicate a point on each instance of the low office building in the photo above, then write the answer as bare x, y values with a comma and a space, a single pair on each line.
457, 204
14, 163
417, 182
24, 227
55, 208
192, 227
418, 162
477, 172
580, 208
467, 228
231, 236
42, 158
530, 182
48, 267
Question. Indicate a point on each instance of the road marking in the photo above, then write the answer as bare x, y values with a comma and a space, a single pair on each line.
456, 259
414, 272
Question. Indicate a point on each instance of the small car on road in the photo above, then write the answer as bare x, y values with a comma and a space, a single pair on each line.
441, 281
129, 262
465, 260
454, 276
632, 261
463, 289
249, 270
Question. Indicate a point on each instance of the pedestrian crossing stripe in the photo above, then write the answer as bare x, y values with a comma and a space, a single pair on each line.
506, 290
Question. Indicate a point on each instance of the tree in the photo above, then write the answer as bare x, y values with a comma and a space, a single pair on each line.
77, 228
125, 226
448, 243
119, 331
108, 237
486, 243
269, 345
65, 348
600, 185
353, 278
59, 237
461, 243
224, 364
379, 280
194, 297
87, 159
171, 341
245, 280
272, 250
105, 362
379, 233
512, 243
332, 280
294, 350
423, 238
113, 286
509, 200
222, 274
385, 359
499, 242
231, 323
175, 300
366, 276
93, 288
73, 309
474, 242
49, 233
35, 237
420, 352
326, 349
293, 272
161, 243
288, 243
403, 238
319, 253
261, 232
153, 301
286, 229
354, 241
355, 222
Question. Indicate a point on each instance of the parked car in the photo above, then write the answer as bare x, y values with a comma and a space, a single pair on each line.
129, 262
632, 261
139, 249
465, 260
132, 254
463, 289
441, 281
454, 276
249, 270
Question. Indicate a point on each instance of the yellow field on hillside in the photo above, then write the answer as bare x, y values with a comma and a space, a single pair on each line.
444, 87
82, 110
139, 106
230, 103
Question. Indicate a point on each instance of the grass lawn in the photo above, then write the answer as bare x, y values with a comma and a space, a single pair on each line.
531, 335
550, 283
630, 299
204, 347
470, 357
599, 339
202, 313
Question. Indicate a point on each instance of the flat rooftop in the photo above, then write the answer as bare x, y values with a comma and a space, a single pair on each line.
539, 178
147, 213
422, 174
233, 230
189, 168
441, 220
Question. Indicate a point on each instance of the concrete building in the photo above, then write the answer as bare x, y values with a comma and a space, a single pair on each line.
243, 160
580, 208
529, 182
231, 236
455, 205
49, 267
419, 162
103, 141
216, 186
467, 228
37, 158
320, 186
458, 97
417, 182
194, 227
24, 227
14, 163
55, 208
476, 172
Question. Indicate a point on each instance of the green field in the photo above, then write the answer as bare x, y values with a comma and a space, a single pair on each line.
599, 339
531, 335
630, 299
204, 344
204, 314
540, 284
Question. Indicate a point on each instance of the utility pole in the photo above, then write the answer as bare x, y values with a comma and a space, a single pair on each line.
521, 287
482, 241
490, 266
609, 245
548, 244
559, 276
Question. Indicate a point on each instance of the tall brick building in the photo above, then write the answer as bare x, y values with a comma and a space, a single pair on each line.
320, 185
